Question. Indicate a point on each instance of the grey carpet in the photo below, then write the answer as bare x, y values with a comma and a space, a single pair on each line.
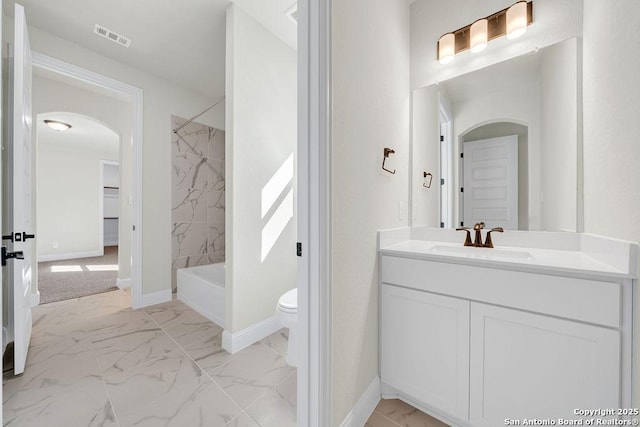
73, 278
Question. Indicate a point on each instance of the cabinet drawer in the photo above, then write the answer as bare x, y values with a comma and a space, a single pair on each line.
584, 300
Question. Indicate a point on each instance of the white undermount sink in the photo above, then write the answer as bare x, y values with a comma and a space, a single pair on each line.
481, 253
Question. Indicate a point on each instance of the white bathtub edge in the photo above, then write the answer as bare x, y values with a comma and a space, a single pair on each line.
156, 298
200, 309
234, 342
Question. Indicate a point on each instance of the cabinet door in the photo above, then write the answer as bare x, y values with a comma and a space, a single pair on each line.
425, 348
526, 365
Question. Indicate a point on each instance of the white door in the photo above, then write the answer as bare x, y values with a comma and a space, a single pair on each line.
432, 365
19, 173
491, 182
525, 365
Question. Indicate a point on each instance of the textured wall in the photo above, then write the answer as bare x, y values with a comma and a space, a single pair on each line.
371, 98
611, 129
198, 193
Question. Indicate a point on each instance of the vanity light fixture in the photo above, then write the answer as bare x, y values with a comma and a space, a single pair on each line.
446, 48
517, 20
479, 33
512, 22
59, 126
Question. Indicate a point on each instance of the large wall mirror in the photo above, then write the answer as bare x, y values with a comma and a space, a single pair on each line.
502, 144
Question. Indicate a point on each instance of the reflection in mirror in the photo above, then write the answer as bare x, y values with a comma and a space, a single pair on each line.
502, 142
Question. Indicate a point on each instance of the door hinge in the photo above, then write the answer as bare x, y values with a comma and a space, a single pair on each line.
462, 189
462, 155
441, 138
461, 223
299, 249
18, 237
442, 225
133, 227
441, 181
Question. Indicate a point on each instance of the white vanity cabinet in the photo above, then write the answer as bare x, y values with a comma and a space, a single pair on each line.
475, 346
526, 365
425, 347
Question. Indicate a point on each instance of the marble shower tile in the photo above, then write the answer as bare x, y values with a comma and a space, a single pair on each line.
208, 352
216, 241
192, 139
249, 376
216, 144
190, 171
190, 405
216, 206
188, 239
216, 174
189, 205
121, 352
149, 381
277, 408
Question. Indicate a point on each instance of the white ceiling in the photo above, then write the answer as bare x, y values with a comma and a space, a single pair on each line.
180, 41
85, 133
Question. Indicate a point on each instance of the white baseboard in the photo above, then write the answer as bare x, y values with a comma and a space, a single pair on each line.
254, 333
156, 298
123, 283
360, 413
35, 299
69, 255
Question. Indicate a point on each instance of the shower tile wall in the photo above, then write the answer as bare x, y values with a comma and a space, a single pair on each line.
198, 185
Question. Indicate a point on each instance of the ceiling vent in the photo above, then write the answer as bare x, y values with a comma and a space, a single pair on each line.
292, 12
112, 35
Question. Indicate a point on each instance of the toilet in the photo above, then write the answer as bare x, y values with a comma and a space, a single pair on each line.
287, 315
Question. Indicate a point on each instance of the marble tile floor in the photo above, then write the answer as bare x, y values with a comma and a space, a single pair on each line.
396, 413
93, 361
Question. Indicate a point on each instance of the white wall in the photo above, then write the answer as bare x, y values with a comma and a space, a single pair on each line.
68, 198
553, 21
559, 136
260, 136
51, 95
611, 129
425, 142
371, 102
161, 100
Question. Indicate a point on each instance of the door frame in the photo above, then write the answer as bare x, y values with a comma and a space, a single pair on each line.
136, 97
102, 164
314, 213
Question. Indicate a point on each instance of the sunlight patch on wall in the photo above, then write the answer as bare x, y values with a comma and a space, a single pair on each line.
277, 223
276, 185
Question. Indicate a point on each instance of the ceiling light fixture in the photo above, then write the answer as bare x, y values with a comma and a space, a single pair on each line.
58, 126
512, 22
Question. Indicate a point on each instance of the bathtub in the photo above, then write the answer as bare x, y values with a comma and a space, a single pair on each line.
202, 288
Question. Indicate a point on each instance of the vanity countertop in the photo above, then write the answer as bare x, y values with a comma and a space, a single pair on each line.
572, 254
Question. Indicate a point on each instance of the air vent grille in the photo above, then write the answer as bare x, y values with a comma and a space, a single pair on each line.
112, 35
292, 12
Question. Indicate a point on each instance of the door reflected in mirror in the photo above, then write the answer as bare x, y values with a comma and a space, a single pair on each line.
502, 143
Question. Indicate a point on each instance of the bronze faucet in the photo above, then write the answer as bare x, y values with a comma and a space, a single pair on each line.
478, 238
